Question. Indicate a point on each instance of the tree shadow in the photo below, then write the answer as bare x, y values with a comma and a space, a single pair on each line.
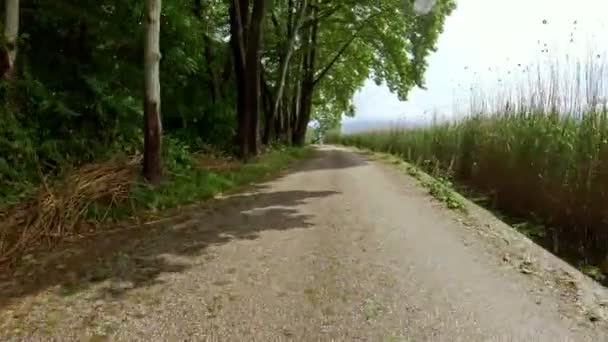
136, 257
332, 158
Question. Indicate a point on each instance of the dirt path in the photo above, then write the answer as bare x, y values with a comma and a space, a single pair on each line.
341, 249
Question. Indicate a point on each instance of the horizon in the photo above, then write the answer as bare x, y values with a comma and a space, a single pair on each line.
547, 31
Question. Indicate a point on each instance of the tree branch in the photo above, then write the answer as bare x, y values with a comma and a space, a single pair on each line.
325, 14
343, 49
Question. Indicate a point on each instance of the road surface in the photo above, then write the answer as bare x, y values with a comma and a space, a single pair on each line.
341, 249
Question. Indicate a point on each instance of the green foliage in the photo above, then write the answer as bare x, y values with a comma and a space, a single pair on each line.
385, 40
76, 96
80, 86
442, 190
189, 183
594, 272
79, 83
438, 186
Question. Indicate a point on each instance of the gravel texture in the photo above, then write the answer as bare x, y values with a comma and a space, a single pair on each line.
343, 248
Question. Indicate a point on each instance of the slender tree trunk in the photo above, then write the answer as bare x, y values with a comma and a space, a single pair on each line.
152, 115
215, 88
253, 73
305, 105
11, 32
278, 122
287, 53
301, 124
238, 51
247, 45
252, 104
269, 122
295, 110
246, 31
8, 55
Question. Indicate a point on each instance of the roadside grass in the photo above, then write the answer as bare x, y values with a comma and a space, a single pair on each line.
455, 195
111, 193
191, 181
439, 187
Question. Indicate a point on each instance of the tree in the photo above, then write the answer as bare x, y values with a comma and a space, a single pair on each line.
388, 41
246, 40
307, 82
319, 52
293, 25
80, 72
152, 114
11, 32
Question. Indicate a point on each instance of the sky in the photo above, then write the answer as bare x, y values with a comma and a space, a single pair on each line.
482, 45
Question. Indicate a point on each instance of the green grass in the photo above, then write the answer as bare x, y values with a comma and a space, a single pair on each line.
552, 170
188, 183
438, 187
531, 166
121, 197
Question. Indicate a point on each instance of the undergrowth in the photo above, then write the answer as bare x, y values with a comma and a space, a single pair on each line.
190, 181
96, 195
77, 96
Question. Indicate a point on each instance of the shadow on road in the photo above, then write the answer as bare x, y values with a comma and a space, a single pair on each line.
332, 158
136, 257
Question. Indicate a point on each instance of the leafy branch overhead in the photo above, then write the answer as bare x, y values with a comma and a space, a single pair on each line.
386, 41
238, 74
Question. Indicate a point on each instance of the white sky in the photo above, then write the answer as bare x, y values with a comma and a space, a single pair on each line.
483, 40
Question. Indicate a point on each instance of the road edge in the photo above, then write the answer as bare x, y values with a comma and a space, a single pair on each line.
587, 298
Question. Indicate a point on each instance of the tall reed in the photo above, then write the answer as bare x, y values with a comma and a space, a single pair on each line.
539, 150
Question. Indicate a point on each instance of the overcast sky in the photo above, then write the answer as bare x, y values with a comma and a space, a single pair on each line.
484, 41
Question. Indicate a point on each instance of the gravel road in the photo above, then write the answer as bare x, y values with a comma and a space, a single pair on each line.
343, 248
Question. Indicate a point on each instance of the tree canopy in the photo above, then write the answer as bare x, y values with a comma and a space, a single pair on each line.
235, 74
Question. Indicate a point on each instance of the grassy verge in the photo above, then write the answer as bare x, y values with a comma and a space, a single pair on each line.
102, 194
438, 187
193, 181
544, 176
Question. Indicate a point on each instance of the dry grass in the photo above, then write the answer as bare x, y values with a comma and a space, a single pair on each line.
95, 197
58, 209
217, 162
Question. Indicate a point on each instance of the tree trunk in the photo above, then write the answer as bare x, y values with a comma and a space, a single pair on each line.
254, 68
252, 106
287, 53
305, 104
301, 124
269, 130
152, 115
269, 125
246, 38
295, 110
238, 51
246, 31
11, 32
209, 60
278, 121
